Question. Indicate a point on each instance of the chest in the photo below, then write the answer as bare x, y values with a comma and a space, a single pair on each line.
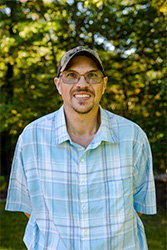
116, 160
66, 170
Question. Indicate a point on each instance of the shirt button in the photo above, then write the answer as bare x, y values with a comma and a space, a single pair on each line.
84, 208
83, 183
82, 160
85, 233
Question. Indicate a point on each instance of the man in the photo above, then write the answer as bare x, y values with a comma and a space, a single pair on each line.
82, 174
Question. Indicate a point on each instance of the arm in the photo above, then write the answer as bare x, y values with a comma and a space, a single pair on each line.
28, 215
139, 214
144, 186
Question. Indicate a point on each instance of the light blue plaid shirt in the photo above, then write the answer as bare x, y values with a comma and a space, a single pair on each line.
83, 199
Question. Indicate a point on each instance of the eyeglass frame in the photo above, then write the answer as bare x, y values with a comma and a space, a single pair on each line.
102, 77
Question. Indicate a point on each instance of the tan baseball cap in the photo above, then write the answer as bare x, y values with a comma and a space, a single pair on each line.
80, 50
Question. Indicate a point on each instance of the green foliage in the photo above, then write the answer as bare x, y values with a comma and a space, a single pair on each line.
130, 37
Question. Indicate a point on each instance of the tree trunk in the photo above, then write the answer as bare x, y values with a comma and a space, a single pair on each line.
76, 23
6, 148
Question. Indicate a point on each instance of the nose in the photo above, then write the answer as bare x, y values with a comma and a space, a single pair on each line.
82, 81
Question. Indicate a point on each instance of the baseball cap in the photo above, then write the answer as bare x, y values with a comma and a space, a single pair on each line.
80, 50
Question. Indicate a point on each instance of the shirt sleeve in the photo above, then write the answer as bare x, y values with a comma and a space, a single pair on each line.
144, 186
18, 198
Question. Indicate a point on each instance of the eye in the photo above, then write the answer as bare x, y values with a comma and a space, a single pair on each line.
92, 75
71, 75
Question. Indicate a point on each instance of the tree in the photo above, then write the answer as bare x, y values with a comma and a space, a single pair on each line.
130, 38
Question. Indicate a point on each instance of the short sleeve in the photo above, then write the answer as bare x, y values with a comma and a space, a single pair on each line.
18, 198
144, 186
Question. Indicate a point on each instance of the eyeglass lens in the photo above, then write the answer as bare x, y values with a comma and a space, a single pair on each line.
72, 77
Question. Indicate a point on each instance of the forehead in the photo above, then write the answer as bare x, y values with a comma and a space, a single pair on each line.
82, 62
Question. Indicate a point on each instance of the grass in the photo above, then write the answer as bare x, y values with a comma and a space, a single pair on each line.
156, 229
13, 225
12, 229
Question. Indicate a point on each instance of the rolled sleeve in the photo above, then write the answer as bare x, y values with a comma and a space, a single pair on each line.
144, 186
18, 198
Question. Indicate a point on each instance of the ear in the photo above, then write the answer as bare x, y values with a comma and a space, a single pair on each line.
57, 83
104, 83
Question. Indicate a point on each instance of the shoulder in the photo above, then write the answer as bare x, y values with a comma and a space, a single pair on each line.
46, 119
42, 123
119, 119
43, 127
124, 128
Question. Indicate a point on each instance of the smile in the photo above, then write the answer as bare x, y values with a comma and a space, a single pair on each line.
82, 96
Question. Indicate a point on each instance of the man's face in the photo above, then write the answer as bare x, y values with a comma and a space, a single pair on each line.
81, 97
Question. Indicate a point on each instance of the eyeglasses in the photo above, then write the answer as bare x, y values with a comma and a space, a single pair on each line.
72, 77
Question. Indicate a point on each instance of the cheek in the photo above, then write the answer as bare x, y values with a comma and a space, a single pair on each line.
65, 93
59, 90
58, 85
103, 89
100, 91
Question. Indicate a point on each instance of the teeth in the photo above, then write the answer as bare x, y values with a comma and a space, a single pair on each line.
81, 96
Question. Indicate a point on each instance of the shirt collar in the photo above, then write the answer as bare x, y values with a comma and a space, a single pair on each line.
105, 132
61, 134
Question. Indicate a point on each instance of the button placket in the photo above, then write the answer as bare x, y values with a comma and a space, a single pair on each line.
84, 202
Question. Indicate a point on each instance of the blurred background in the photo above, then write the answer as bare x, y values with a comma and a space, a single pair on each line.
129, 35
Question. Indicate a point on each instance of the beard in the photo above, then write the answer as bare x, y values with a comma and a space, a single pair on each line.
84, 111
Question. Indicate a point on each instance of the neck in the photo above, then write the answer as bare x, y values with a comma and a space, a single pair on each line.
82, 127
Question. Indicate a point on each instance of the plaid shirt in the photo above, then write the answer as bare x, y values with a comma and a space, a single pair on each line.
83, 199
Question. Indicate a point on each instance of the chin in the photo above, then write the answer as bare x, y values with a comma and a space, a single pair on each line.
83, 110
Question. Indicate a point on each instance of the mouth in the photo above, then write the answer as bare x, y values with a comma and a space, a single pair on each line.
82, 96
